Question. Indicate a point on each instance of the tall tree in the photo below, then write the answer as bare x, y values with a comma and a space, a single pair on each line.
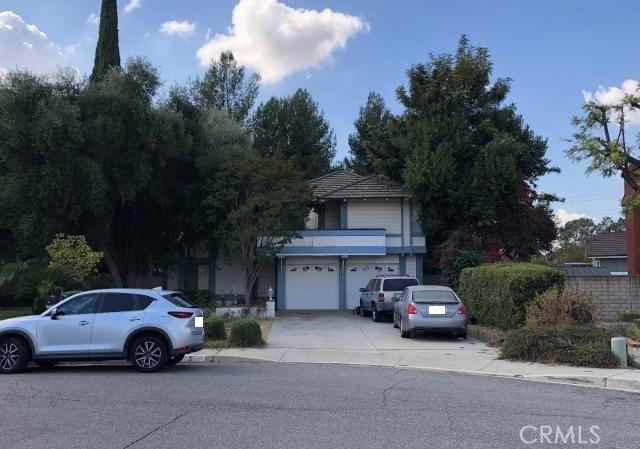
108, 49
374, 147
228, 86
293, 128
470, 161
257, 204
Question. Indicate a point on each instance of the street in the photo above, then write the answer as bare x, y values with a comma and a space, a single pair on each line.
265, 405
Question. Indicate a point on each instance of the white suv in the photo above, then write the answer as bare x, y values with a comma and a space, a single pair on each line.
150, 328
377, 297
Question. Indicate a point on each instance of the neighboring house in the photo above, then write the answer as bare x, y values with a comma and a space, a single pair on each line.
609, 251
360, 227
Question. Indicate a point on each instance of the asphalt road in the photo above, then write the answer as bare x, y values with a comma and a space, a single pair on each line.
264, 405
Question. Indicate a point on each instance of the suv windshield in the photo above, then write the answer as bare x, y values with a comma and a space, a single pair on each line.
439, 296
178, 300
397, 285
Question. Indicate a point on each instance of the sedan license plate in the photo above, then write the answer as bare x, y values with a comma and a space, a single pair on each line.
437, 310
199, 321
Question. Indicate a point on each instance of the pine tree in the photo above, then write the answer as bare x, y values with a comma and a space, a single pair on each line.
107, 49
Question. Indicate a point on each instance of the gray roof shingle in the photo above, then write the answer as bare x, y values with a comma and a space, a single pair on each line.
607, 244
344, 184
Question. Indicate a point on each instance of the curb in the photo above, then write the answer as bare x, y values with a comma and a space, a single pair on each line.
198, 358
608, 383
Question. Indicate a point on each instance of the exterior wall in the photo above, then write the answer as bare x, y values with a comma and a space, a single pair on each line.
411, 266
375, 213
230, 279
612, 293
612, 264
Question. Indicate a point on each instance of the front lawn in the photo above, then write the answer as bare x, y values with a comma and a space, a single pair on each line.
12, 313
265, 327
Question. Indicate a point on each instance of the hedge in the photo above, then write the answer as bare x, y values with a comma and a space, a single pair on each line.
214, 328
497, 294
246, 332
571, 345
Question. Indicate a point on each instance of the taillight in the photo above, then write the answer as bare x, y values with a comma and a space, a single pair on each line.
381, 297
182, 315
411, 309
462, 310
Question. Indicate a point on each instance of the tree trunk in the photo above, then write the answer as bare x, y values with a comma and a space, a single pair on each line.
112, 266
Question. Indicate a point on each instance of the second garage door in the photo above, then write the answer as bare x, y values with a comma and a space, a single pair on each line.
358, 275
312, 286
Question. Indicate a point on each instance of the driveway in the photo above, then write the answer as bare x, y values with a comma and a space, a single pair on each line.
344, 331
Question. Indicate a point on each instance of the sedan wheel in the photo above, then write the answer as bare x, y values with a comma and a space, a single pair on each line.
395, 323
148, 354
403, 333
14, 355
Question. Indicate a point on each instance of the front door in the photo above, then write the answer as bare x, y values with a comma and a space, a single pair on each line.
68, 334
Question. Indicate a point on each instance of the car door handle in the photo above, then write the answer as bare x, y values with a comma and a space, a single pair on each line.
134, 318
84, 323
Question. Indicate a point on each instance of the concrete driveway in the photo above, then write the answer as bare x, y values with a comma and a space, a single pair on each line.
345, 331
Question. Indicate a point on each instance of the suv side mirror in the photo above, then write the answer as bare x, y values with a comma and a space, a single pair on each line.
362, 290
54, 314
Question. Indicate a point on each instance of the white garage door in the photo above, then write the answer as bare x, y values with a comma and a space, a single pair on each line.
312, 286
358, 275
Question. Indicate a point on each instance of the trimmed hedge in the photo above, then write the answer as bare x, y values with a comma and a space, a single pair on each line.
497, 294
628, 316
571, 345
214, 328
246, 332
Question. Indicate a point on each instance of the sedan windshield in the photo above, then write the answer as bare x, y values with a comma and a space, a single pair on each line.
439, 296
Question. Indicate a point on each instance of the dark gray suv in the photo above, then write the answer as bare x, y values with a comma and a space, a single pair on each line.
377, 298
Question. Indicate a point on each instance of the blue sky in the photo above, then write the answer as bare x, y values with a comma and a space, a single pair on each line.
553, 50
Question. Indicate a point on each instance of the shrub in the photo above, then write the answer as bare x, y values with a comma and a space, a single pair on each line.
571, 345
628, 316
73, 254
557, 306
246, 332
214, 328
497, 294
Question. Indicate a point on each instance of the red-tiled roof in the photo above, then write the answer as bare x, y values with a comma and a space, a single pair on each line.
344, 184
607, 244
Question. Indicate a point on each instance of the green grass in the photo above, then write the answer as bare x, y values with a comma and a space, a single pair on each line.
265, 327
12, 313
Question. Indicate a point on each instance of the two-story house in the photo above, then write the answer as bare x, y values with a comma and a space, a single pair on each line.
360, 227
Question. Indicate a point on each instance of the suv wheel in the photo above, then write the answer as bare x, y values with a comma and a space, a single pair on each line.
363, 311
148, 354
375, 315
14, 355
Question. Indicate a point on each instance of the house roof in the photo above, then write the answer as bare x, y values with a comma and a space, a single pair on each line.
607, 244
344, 184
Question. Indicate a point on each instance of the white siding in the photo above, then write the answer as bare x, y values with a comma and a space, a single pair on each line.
406, 217
375, 214
312, 221
230, 277
411, 265
332, 215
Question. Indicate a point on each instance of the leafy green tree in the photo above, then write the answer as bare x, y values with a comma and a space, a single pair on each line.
374, 146
228, 87
608, 224
470, 162
72, 254
293, 128
577, 232
107, 50
257, 203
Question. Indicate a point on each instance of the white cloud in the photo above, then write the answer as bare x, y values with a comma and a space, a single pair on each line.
182, 29
132, 5
277, 40
614, 95
93, 18
24, 46
562, 216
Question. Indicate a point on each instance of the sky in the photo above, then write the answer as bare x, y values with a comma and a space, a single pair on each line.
557, 53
